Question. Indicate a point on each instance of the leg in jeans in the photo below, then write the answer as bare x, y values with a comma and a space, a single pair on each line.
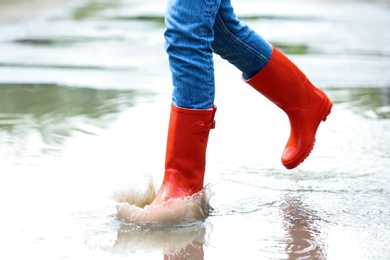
188, 38
192, 29
189, 35
239, 44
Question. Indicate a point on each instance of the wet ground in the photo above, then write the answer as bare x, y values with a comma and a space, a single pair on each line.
84, 103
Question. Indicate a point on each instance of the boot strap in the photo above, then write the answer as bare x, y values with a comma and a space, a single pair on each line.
200, 127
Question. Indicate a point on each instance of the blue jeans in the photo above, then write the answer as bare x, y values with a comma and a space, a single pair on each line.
195, 29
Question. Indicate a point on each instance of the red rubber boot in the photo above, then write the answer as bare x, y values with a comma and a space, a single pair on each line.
306, 106
185, 153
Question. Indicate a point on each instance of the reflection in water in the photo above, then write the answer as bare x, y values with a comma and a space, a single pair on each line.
98, 9
370, 102
175, 243
302, 231
53, 113
93, 8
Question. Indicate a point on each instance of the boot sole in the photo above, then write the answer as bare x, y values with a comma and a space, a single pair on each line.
327, 108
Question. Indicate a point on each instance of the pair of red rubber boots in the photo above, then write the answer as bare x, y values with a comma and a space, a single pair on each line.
283, 84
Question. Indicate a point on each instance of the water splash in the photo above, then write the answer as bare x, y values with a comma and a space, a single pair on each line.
134, 207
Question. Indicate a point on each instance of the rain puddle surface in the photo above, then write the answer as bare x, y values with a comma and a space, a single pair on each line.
84, 106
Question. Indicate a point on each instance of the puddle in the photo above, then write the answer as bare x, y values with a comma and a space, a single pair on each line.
84, 104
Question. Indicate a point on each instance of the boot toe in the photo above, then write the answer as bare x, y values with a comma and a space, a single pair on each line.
289, 157
293, 156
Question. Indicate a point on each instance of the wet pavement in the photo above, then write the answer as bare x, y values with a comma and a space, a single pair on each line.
84, 106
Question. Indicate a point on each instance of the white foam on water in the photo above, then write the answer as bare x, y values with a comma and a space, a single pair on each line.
134, 207
138, 194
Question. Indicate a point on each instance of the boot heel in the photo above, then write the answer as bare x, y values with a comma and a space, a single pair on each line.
327, 110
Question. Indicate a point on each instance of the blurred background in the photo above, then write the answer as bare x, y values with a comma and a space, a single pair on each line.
85, 94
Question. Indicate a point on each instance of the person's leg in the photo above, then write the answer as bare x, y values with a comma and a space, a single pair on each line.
271, 73
189, 34
238, 43
188, 38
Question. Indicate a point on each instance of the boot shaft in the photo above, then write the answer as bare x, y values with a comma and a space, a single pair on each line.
187, 140
306, 106
283, 83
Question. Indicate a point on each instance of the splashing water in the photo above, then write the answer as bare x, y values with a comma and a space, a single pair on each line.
134, 207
